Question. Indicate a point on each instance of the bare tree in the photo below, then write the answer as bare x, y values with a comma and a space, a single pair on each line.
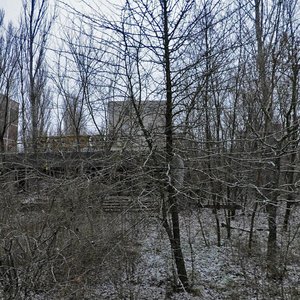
35, 27
154, 35
8, 70
288, 91
270, 114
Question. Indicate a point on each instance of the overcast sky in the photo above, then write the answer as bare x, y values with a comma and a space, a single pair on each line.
12, 9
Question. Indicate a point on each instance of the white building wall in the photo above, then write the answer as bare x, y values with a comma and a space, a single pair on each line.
124, 126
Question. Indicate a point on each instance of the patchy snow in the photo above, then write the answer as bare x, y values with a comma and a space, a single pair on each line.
226, 272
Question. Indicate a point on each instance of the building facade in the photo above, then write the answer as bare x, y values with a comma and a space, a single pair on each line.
125, 128
9, 117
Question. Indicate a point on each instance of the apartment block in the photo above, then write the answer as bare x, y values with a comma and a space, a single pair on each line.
9, 115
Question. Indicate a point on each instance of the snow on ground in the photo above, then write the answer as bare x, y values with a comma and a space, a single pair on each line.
216, 273
226, 272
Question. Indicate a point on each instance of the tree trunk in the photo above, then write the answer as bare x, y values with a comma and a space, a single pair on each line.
2, 145
252, 225
176, 239
176, 242
290, 202
272, 251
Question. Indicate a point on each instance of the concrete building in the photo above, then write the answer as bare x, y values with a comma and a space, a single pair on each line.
70, 143
125, 129
9, 117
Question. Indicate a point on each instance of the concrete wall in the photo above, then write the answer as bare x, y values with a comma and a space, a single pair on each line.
124, 126
9, 118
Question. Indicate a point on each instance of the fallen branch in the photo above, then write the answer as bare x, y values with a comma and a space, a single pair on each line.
242, 229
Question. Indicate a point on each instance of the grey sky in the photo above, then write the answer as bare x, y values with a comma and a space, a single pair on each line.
12, 9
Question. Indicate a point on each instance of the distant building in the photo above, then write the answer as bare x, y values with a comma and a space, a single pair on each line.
125, 129
9, 117
70, 143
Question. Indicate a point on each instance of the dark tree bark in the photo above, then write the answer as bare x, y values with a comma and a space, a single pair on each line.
35, 25
176, 238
